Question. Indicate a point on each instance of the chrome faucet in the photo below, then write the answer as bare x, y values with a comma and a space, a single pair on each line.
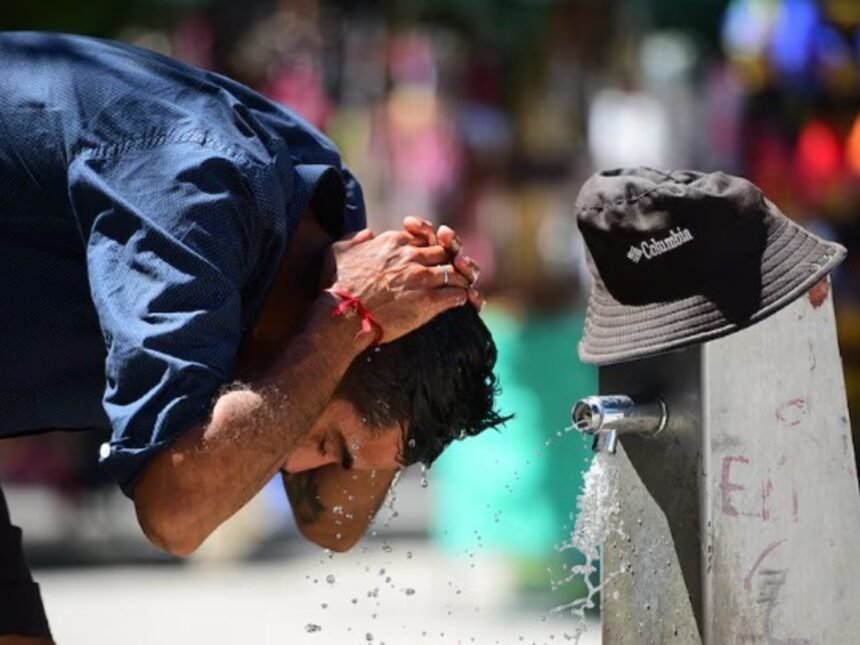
607, 417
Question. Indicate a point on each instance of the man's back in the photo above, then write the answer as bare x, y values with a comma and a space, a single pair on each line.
63, 95
125, 177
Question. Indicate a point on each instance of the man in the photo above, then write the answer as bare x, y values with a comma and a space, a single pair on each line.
170, 268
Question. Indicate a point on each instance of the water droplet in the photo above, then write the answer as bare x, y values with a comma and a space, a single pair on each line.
330, 579
368, 637
310, 628
409, 591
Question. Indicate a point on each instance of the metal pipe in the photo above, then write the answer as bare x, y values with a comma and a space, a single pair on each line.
607, 417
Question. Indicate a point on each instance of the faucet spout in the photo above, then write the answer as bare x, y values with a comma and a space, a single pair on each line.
607, 417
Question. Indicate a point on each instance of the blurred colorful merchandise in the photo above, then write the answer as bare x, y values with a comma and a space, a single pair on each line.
843, 13
747, 27
852, 152
799, 61
769, 160
819, 160
792, 41
300, 85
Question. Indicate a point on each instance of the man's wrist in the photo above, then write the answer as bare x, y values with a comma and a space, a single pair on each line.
342, 333
328, 345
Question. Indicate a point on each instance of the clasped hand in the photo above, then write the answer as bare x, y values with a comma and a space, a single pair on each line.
406, 278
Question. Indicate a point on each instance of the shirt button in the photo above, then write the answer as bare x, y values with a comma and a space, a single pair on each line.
104, 450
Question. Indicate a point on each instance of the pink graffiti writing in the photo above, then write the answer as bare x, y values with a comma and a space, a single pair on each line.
792, 412
726, 485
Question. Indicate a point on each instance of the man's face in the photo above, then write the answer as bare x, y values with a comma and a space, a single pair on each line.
341, 436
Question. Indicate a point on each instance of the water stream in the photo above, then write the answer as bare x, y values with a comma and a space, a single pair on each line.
597, 519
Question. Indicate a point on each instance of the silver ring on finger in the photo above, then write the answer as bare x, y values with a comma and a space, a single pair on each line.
445, 276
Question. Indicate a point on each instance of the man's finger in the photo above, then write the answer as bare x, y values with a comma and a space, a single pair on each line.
431, 255
403, 238
445, 276
416, 240
467, 267
447, 298
420, 228
449, 239
351, 239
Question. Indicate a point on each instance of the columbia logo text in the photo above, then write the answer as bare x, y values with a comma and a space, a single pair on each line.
649, 249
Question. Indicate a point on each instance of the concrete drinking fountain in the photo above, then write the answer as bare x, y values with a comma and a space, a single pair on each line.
737, 488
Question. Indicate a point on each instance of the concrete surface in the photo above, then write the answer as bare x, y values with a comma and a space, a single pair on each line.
402, 592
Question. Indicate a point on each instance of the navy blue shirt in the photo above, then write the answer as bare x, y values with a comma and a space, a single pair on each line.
144, 210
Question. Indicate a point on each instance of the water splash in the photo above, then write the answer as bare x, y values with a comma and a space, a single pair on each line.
387, 513
597, 519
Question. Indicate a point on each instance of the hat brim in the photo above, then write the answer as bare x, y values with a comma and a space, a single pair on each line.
793, 261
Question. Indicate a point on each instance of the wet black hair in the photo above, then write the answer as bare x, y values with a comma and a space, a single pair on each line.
436, 382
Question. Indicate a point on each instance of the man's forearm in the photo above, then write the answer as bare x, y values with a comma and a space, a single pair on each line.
213, 470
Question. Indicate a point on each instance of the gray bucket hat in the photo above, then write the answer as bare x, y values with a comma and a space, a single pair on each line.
684, 257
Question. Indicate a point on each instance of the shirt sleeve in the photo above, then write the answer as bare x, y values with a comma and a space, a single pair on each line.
171, 232
355, 215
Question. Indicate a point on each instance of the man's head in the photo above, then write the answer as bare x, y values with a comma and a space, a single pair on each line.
403, 402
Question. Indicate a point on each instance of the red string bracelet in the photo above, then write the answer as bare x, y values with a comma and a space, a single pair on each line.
351, 303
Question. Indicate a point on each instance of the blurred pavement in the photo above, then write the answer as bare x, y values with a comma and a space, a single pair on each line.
398, 592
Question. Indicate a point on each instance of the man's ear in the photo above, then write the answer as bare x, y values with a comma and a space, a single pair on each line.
322, 445
306, 456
